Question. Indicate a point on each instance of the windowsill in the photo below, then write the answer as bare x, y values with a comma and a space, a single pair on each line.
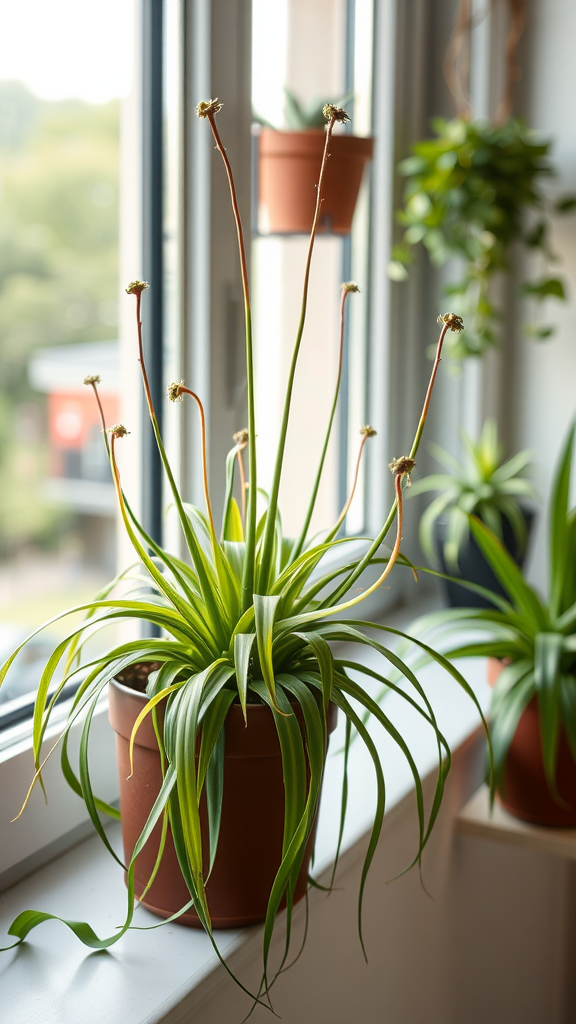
53, 979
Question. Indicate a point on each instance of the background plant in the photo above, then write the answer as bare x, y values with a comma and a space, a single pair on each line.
482, 485
472, 191
248, 616
536, 635
301, 116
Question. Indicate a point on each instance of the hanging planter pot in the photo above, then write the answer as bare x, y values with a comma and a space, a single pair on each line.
252, 824
289, 169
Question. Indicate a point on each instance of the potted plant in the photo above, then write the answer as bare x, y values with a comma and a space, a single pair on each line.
223, 719
487, 487
288, 168
472, 191
533, 713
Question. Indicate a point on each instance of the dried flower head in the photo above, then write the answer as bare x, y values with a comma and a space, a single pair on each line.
368, 431
241, 438
350, 286
402, 466
452, 321
207, 108
92, 379
137, 287
174, 391
118, 431
332, 113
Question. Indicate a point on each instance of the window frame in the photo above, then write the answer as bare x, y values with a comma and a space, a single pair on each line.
200, 284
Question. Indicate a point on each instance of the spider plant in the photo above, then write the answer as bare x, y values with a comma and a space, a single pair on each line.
534, 637
482, 485
248, 616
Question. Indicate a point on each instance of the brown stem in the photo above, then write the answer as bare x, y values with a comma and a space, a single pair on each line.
350, 497
187, 391
269, 530
365, 561
248, 572
426, 406
336, 609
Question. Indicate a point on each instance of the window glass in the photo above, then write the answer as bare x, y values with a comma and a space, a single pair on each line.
315, 51
64, 68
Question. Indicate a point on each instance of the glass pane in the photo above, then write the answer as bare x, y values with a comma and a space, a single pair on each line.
287, 59
64, 67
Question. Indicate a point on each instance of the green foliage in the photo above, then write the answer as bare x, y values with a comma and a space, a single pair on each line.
537, 637
215, 647
58, 267
483, 485
300, 116
471, 192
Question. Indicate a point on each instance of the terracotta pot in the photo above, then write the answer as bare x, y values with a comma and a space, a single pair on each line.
494, 667
289, 168
524, 791
250, 841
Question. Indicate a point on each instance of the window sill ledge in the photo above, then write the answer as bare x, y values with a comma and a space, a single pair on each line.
159, 977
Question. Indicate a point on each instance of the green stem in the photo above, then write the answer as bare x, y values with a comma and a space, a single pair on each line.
248, 572
365, 561
195, 552
268, 541
299, 544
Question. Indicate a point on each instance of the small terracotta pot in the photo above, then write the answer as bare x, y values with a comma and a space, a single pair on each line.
524, 791
289, 168
494, 667
251, 831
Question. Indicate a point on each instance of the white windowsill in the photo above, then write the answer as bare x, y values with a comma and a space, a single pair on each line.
53, 979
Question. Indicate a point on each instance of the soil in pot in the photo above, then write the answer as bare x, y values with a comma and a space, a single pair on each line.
251, 831
474, 567
289, 167
525, 792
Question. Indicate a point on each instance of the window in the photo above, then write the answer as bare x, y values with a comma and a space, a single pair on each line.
61, 86
177, 232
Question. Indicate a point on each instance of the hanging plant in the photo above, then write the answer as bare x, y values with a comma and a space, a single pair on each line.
475, 189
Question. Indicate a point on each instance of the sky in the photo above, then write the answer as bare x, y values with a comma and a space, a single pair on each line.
68, 48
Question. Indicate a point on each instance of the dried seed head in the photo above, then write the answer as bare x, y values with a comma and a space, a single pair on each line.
333, 113
368, 431
174, 391
452, 321
402, 466
92, 379
208, 108
241, 438
350, 286
137, 287
118, 431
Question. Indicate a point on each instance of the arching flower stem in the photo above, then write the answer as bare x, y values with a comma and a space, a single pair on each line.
209, 112
136, 288
449, 322
186, 391
299, 543
398, 506
268, 541
366, 433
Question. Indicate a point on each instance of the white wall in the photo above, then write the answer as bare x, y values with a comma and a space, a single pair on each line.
542, 376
